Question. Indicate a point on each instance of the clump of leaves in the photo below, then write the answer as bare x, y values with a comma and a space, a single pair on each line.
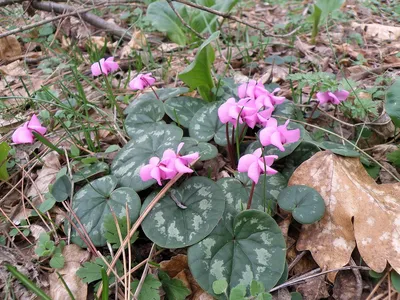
47, 248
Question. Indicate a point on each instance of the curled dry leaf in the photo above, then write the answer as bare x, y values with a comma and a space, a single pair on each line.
73, 255
14, 69
46, 175
358, 212
9, 47
378, 32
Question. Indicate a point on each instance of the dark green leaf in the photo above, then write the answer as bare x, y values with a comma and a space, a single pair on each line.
95, 201
170, 225
182, 109
61, 189
206, 151
150, 288
174, 288
306, 204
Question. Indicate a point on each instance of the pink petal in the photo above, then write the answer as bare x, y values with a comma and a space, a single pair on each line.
111, 65
268, 159
254, 172
245, 161
292, 136
179, 147
95, 68
156, 174
341, 95
189, 158
258, 152
154, 161
333, 98
22, 135
168, 154
224, 110
323, 97
149, 79
265, 135
167, 173
34, 124
271, 171
181, 168
145, 172
136, 84
276, 140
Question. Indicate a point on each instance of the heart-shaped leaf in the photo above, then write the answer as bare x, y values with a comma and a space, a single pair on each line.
182, 109
206, 125
185, 215
96, 200
303, 152
61, 188
207, 151
266, 192
306, 204
89, 171
248, 246
145, 118
137, 153
163, 95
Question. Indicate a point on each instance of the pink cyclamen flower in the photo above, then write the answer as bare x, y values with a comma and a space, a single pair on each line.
141, 81
276, 135
251, 89
268, 99
333, 97
24, 135
254, 164
174, 161
104, 66
171, 164
243, 111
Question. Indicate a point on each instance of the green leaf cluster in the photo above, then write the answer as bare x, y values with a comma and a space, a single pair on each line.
47, 248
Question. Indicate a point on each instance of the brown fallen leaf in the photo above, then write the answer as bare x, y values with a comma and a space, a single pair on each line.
9, 47
46, 175
378, 32
15, 69
73, 255
346, 286
314, 288
358, 211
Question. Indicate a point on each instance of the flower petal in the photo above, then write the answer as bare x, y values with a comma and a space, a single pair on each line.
276, 140
181, 167
22, 135
323, 97
156, 174
245, 161
254, 172
341, 95
34, 124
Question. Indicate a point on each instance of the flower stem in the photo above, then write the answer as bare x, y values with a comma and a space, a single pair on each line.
154, 91
233, 162
251, 195
312, 113
229, 146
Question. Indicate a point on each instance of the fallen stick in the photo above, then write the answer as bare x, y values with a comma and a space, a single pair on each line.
68, 11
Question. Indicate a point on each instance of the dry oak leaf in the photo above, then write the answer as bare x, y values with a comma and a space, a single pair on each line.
9, 47
358, 212
73, 255
379, 32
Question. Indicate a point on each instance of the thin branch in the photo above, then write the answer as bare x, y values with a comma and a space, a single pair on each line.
144, 274
303, 278
236, 19
183, 21
68, 11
